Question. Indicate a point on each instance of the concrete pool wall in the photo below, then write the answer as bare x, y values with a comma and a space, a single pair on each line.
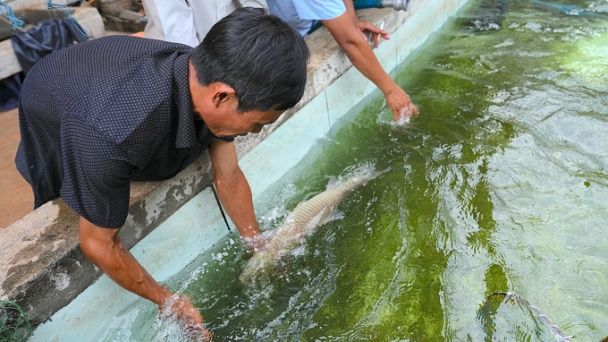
172, 222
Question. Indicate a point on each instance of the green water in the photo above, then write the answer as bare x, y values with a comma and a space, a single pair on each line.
500, 184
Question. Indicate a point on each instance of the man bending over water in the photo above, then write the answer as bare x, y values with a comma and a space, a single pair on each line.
100, 114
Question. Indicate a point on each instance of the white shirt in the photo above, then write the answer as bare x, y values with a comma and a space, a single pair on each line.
188, 21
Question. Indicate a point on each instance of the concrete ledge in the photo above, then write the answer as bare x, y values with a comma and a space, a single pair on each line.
43, 269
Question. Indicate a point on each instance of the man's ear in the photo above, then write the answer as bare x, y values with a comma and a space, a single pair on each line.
222, 93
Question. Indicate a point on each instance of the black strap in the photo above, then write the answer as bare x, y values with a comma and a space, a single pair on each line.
219, 204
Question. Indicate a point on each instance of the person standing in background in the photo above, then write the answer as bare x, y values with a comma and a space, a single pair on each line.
188, 21
340, 18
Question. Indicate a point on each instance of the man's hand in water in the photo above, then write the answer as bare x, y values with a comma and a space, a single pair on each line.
189, 318
400, 104
257, 243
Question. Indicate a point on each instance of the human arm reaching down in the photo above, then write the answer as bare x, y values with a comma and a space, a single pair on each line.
348, 34
234, 191
104, 249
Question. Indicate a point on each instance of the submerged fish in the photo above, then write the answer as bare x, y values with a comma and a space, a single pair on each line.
514, 298
302, 222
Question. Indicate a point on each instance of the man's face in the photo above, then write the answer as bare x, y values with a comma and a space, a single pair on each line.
227, 122
216, 105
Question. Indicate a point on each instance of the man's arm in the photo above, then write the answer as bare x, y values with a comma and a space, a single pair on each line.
234, 191
104, 249
353, 42
350, 9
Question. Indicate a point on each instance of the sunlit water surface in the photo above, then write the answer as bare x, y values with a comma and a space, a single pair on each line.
500, 185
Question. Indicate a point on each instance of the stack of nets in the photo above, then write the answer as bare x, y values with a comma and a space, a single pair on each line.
14, 325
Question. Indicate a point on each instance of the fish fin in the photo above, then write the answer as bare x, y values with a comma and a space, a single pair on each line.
333, 182
335, 215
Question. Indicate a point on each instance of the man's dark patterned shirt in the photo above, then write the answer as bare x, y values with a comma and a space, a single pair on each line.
100, 114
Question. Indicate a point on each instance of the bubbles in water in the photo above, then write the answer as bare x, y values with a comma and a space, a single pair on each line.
480, 25
277, 204
196, 274
273, 215
365, 169
299, 251
508, 42
535, 27
403, 118
219, 257
500, 96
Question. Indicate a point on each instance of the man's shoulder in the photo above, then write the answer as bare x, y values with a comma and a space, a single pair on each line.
132, 44
111, 61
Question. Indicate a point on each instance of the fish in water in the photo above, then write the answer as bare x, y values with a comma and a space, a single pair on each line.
514, 298
302, 222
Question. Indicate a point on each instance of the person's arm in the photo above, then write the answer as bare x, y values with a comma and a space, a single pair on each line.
234, 191
350, 9
354, 44
104, 249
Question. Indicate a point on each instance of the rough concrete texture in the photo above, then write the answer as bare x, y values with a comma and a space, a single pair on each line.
42, 267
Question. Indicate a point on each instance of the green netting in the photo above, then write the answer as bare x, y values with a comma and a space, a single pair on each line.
14, 325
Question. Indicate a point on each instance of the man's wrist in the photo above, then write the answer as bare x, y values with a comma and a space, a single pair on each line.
161, 295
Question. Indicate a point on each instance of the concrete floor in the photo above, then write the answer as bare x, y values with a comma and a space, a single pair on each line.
17, 199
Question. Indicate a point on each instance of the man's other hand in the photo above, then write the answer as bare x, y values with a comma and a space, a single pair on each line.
189, 318
256, 243
400, 104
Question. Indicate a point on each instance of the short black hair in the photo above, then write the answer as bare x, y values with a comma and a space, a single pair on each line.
259, 55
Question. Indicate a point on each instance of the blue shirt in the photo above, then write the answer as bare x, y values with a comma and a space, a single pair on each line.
100, 114
301, 14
